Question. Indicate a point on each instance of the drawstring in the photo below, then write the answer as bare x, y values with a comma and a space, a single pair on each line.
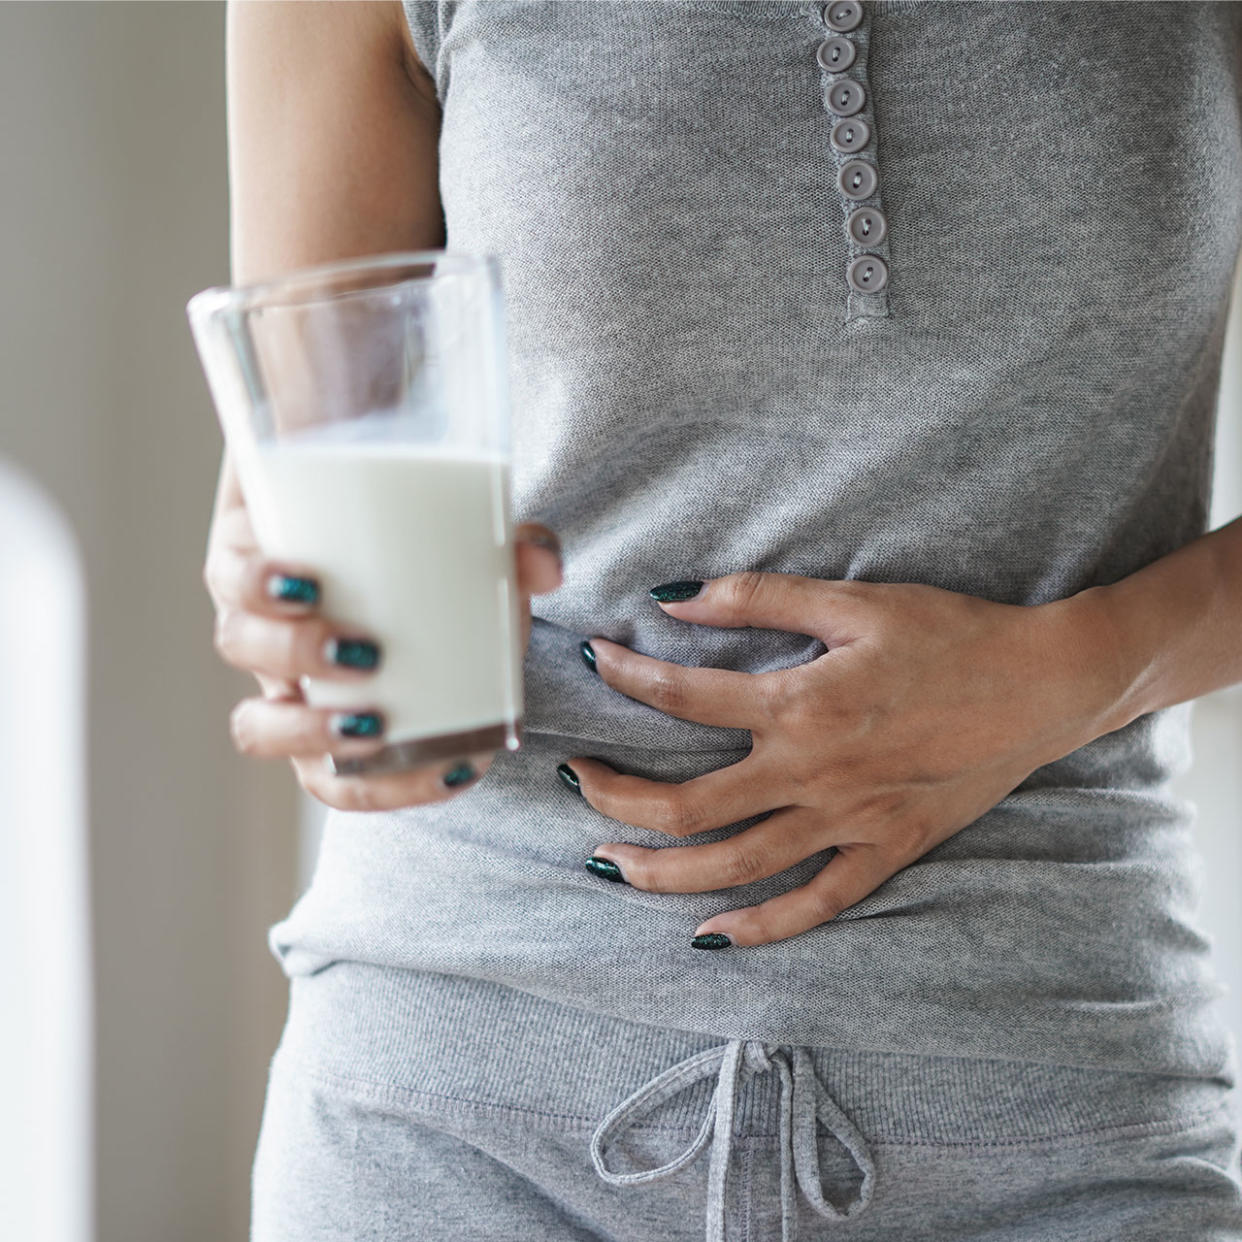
803, 1099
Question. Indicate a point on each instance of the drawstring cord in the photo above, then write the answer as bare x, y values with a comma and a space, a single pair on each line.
803, 1099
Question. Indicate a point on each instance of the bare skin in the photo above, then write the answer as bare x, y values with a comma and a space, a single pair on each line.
333, 131
927, 708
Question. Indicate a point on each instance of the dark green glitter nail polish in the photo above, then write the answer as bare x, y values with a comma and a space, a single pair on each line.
550, 542
711, 940
675, 592
352, 652
358, 724
293, 590
570, 777
459, 775
606, 869
588, 655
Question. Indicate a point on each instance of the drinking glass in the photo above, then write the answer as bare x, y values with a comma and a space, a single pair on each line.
365, 406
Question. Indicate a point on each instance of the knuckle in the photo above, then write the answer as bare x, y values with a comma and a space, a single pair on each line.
800, 708
680, 816
824, 904
780, 699
668, 691
771, 696
746, 589
913, 839
741, 866
885, 807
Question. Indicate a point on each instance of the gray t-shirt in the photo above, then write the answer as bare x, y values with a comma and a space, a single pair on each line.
711, 373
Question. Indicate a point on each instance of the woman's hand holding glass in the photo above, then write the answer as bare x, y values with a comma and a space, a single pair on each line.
268, 624
926, 710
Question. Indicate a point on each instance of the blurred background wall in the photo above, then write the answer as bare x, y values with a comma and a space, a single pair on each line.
113, 210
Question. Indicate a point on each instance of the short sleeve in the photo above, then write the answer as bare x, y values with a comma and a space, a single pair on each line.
427, 20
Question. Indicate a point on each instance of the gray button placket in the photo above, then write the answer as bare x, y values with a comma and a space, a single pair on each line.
848, 97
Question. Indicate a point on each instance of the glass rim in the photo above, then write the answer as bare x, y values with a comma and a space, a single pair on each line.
282, 289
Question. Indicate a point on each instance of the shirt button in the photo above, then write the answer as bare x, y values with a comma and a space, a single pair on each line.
846, 97
857, 179
867, 226
868, 274
836, 55
842, 15
850, 136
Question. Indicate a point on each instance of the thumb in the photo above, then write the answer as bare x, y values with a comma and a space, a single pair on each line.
538, 552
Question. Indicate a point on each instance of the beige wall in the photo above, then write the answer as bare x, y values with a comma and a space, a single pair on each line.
113, 206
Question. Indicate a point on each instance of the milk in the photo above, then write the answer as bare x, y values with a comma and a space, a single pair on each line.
411, 547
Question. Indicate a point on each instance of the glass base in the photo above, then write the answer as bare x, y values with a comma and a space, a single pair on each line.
420, 750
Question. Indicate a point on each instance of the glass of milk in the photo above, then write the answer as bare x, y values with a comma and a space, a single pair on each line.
365, 405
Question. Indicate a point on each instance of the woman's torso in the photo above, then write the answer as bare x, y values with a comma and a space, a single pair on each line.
1024, 410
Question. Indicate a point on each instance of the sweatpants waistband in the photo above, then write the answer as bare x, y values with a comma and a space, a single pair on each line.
474, 1041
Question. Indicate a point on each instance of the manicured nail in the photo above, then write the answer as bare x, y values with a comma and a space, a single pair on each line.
588, 655
675, 592
357, 724
351, 652
459, 775
711, 940
570, 777
293, 590
551, 542
606, 869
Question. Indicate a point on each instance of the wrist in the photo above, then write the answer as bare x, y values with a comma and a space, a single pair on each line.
1102, 665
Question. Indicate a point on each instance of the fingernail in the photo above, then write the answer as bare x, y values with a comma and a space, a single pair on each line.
606, 869
293, 590
588, 655
459, 775
357, 724
675, 592
570, 777
351, 652
712, 940
550, 542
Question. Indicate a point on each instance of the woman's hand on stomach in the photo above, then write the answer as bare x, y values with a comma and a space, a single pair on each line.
268, 623
928, 707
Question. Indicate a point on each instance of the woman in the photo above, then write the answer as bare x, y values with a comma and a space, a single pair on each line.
864, 359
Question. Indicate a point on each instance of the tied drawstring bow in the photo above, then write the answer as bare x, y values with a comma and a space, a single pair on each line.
803, 1099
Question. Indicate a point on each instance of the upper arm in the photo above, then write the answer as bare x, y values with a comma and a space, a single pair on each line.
333, 135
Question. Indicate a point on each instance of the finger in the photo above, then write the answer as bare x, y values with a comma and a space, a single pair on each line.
854, 872
782, 840
717, 798
711, 696
248, 581
827, 610
539, 561
291, 649
268, 728
280, 688
387, 791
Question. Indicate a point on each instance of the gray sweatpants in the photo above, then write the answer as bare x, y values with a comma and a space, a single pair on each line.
408, 1106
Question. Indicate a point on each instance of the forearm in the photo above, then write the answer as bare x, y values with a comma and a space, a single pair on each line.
1171, 631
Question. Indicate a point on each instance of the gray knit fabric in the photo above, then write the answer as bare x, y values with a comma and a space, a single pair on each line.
405, 1106
1024, 411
